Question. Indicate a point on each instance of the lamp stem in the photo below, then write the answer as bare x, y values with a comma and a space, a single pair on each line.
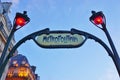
116, 56
4, 53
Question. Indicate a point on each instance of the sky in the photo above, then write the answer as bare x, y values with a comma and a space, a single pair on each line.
88, 62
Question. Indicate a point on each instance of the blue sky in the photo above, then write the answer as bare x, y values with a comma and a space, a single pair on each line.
88, 62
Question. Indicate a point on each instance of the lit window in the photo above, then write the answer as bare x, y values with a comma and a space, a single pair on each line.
14, 62
23, 62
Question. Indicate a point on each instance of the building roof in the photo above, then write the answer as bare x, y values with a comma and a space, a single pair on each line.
20, 59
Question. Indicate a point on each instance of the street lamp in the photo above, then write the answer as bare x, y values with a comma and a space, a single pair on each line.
20, 20
99, 20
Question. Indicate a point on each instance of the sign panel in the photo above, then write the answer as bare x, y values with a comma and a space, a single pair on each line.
60, 40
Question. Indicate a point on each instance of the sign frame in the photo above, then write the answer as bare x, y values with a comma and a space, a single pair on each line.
63, 33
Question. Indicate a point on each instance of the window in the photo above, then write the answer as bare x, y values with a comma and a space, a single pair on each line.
1, 25
3, 31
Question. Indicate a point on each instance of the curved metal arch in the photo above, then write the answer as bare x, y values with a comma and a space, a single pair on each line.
90, 36
74, 31
45, 31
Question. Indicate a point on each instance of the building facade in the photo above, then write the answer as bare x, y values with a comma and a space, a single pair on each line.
20, 69
5, 28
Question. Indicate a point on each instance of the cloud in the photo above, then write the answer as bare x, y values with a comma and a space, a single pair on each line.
15, 2
110, 74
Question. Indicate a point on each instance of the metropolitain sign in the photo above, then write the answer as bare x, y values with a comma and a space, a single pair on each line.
60, 39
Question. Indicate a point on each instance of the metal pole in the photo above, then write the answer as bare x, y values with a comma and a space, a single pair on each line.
4, 53
116, 56
15, 27
113, 55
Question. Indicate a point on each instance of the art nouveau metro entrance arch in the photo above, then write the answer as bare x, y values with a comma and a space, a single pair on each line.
68, 39
61, 39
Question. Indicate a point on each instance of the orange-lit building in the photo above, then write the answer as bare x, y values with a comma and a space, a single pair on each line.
20, 69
